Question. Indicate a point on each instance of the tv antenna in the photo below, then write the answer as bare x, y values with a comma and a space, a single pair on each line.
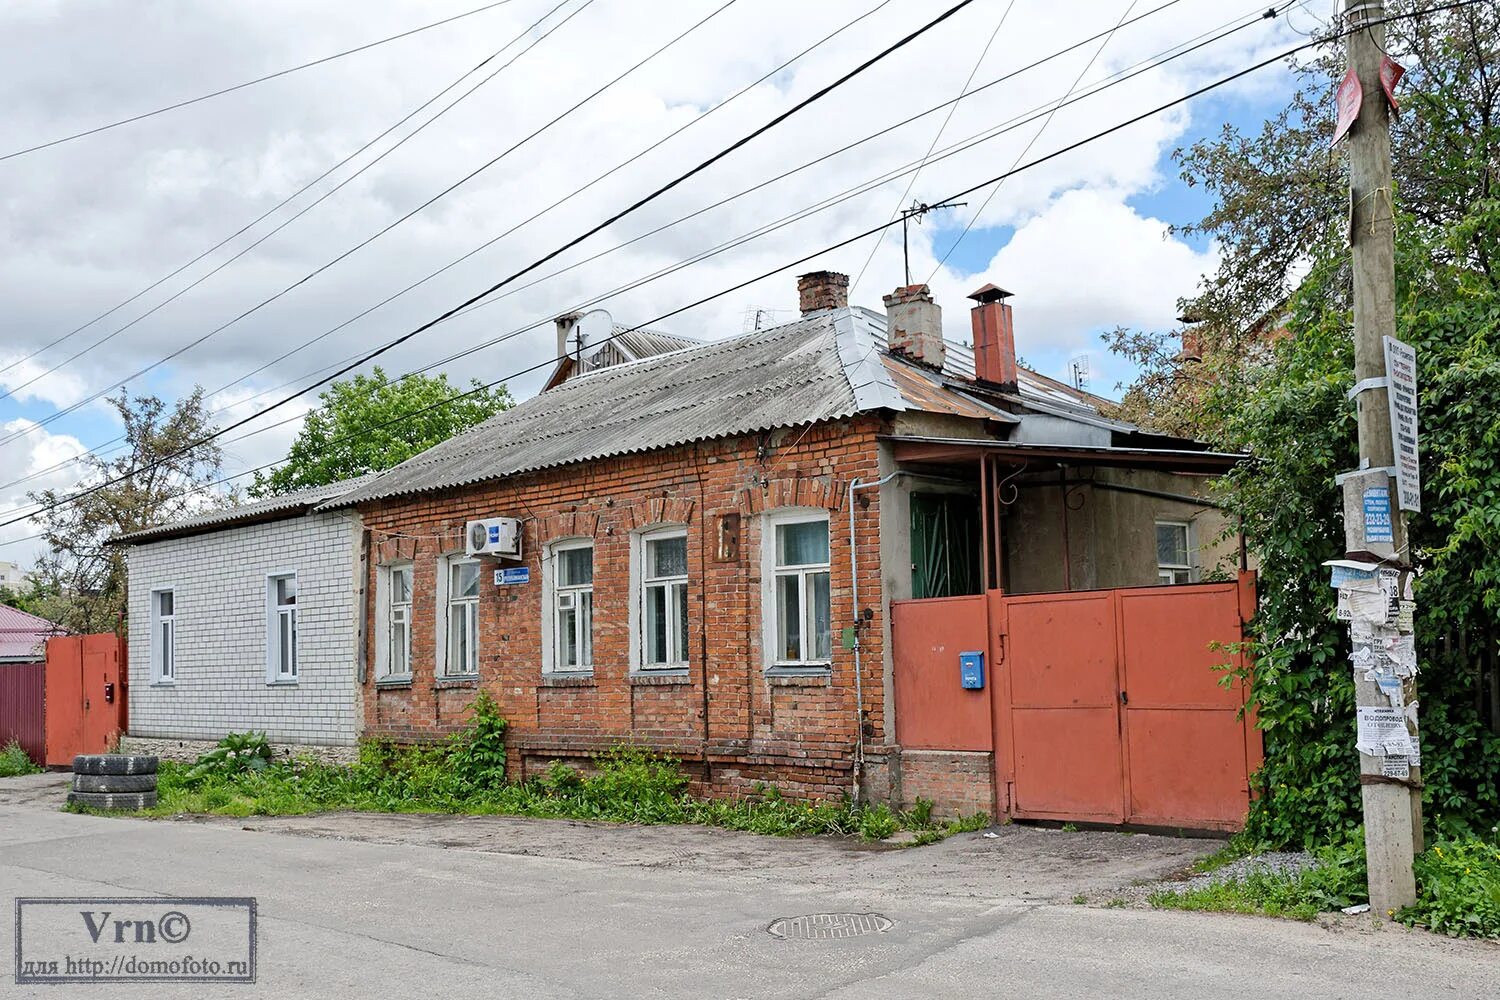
1079, 369
917, 210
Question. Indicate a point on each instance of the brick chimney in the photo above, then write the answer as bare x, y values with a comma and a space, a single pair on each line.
914, 325
823, 290
994, 338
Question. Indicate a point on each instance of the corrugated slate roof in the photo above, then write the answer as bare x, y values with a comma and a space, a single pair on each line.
270, 509
773, 378
826, 365
22, 634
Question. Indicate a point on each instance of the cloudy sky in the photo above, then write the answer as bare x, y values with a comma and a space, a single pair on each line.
85, 225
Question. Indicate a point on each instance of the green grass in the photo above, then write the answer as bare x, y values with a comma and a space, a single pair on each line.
1335, 881
1458, 888
466, 775
629, 786
13, 761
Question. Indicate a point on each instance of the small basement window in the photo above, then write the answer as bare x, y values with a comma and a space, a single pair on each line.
1174, 552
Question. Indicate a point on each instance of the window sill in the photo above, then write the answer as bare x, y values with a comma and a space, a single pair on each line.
662, 677
567, 680
163, 684
392, 683
281, 684
799, 676
463, 681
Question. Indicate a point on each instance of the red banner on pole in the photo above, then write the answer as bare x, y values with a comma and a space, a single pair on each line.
1349, 95
1391, 73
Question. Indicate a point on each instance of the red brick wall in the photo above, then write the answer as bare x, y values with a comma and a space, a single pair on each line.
727, 719
957, 784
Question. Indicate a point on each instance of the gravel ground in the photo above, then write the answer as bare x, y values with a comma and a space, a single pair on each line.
1139, 894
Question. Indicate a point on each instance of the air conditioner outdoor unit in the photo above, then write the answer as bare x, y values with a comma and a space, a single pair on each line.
494, 536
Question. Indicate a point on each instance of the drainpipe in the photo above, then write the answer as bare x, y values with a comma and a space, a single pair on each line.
859, 697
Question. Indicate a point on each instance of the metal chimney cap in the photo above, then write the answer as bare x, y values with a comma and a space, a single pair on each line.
989, 293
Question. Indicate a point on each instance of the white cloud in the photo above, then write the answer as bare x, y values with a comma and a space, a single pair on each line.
88, 223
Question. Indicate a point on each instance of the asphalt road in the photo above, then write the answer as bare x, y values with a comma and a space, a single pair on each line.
354, 906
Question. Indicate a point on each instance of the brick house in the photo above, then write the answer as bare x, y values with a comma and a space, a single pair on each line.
716, 538
245, 619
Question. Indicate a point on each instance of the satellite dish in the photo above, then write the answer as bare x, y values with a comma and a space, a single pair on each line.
592, 329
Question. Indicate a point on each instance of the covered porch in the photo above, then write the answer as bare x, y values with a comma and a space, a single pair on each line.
1069, 617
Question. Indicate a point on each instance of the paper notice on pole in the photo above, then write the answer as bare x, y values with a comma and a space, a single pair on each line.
1401, 391
1395, 767
1363, 601
1382, 731
1377, 515
1392, 689
1343, 571
1406, 616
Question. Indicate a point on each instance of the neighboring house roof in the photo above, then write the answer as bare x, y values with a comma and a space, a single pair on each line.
22, 635
625, 344
276, 508
827, 365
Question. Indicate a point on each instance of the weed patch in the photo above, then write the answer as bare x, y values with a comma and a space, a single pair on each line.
13, 761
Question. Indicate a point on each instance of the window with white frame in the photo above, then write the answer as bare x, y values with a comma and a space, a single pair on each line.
396, 661
462, 659
163, 636
281, 628
571, 596
1174, 552
662, 569
799, 618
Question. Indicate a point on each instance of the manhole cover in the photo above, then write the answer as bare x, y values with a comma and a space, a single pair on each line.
824, 926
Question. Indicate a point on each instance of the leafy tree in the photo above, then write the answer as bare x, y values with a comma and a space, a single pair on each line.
80, 582
1280, 219
371, 423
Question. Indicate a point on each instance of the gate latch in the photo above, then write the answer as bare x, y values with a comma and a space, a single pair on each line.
1124, 698
109, 692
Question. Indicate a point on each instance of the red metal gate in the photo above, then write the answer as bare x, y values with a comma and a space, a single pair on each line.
1103, 706
86, 699
21, 707
1115, 709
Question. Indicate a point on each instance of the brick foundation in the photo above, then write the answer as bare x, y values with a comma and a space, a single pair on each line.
957, 783
188, 751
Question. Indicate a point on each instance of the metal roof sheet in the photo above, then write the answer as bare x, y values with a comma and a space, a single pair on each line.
271, 508
22, 634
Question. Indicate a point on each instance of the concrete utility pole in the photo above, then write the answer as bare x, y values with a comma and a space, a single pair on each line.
1390, 784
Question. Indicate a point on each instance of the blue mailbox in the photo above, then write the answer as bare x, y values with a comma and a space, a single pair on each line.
971, 670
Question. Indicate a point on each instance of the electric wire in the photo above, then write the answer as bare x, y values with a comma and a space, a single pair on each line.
1223, 81
1167, 55
370, 239
271, 211
936, 138
248, 83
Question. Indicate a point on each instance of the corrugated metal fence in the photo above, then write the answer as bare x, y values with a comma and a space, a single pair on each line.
22, 710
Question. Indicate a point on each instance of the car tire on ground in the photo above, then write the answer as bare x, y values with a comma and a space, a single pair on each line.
131, 801
114, 763
116, 783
